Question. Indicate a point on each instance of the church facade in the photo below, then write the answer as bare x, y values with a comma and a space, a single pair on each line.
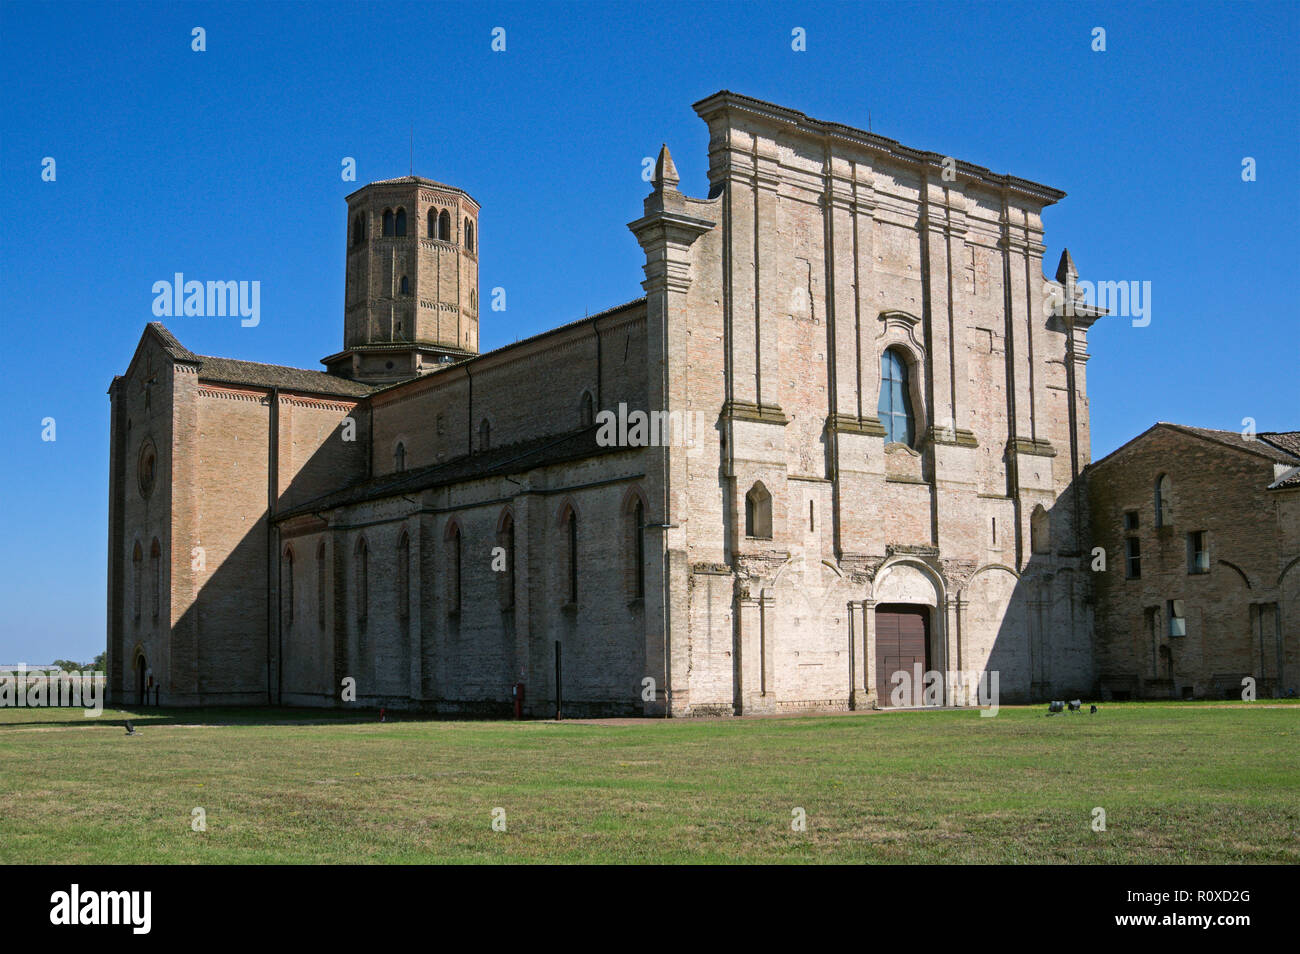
839, 437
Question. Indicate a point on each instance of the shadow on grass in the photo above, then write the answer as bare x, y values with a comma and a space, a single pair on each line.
165, 715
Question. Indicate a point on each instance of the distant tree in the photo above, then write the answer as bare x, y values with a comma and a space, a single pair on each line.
67, 665
97, 664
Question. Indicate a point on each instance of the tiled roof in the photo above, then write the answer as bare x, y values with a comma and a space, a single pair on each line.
256, 374
170, 344
1235, 439
1289, 441
511, 459
230, 371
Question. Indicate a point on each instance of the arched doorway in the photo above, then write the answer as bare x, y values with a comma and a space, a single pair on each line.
902, 646
141, 667
907, 632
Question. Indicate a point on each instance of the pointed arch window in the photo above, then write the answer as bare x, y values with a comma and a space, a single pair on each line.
484, 435
320, 586
1164, 501
587, 410
454, 567
362, 582
399, 457
404, 286
758, 512
387, 221
399, 224
1040, 530
895, 405
404, 580
431, 224
636, 545
569, 525
469, 234
506, 540
444, 226
286, 584
137, 578
155, 575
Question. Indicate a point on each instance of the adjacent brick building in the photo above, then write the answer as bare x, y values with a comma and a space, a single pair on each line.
1201, 530
880, 422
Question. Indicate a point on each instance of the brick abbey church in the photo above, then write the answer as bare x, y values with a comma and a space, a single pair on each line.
888, 475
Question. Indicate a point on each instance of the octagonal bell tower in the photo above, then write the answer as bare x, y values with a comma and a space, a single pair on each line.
411, 297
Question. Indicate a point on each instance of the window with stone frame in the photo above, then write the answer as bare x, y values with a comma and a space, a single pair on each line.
758, 512
895, 405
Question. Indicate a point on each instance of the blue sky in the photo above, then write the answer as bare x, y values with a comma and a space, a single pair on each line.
226, 164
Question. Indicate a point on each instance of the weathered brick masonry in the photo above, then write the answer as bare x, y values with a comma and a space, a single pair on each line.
315, 528
1235, 499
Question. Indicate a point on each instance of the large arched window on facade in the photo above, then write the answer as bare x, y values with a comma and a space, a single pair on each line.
1164, 501
895, 406
758, 512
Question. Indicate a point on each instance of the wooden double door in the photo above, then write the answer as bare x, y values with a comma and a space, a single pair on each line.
902, 641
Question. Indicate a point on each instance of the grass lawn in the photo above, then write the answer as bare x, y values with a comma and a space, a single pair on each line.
1179, 782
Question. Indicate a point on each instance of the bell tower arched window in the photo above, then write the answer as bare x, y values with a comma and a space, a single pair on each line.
895, 405
444, 226
431, 224
387, 222
469, 234
400, 223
